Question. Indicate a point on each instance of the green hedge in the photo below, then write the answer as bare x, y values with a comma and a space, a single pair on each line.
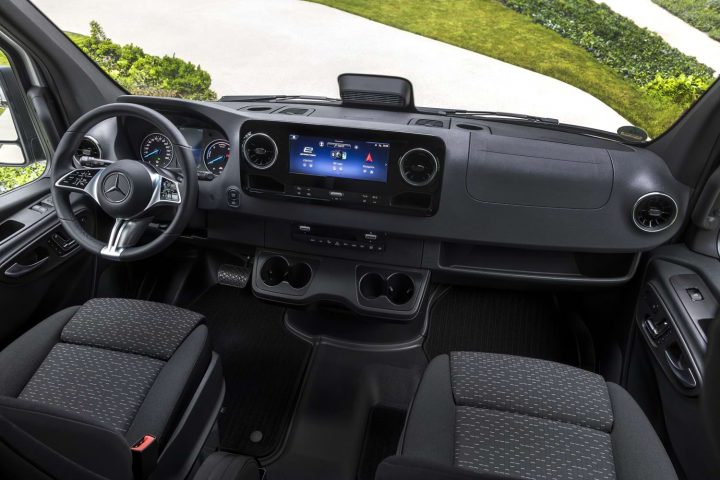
12, 177
144, 74
635, 53
701, 14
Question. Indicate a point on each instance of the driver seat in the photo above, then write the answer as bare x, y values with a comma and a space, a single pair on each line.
116, 389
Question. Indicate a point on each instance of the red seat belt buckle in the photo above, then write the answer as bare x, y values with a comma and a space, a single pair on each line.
144, 456
143, 443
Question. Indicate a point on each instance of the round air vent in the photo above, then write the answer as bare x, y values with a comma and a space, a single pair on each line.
260, 150
654, 212
418, 167
89, 147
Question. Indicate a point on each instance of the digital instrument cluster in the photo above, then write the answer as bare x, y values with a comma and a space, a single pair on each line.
211, 150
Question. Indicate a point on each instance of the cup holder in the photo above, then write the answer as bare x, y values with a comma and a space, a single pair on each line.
299, 275
372, 286
398, 288
277, 269
274, 271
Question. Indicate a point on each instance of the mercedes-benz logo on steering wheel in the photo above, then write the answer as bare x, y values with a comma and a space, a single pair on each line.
116, 187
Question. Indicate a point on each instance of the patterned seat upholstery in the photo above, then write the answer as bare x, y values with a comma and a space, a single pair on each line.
483, 415
91, 381
108, 357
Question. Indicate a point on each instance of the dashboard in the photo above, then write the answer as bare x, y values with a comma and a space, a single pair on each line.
353, 192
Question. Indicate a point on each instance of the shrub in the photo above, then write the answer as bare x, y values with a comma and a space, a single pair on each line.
636, 53
12, 177
144, 74
682, 89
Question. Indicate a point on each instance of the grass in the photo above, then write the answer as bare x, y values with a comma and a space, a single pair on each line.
489, 28
701, 14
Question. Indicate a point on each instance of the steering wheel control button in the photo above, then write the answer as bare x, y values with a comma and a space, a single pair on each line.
233, 197
169, 192
78, 178
116, 187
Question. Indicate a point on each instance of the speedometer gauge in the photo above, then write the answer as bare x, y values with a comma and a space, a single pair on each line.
156, 149
216, 156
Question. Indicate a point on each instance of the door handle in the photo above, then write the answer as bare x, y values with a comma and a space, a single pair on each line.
17, 270
683, 374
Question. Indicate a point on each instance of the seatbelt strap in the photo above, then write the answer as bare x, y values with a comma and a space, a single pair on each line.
144, 456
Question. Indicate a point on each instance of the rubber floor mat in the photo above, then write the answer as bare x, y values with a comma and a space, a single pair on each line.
263, 365
515, 323
384, 429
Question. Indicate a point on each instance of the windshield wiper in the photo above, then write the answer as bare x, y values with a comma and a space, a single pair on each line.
487, 114
277, 98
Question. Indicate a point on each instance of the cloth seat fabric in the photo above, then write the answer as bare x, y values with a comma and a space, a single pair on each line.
126, 367
482, 415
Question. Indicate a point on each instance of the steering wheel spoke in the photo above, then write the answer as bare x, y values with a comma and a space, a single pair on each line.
124, 234
82, 180
166, 189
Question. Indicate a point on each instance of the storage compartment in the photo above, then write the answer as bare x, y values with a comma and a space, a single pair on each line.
573, 266
9, 228
515, 171
420, 201
267, 184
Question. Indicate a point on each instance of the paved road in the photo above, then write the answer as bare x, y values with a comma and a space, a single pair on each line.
676, 32
293, 47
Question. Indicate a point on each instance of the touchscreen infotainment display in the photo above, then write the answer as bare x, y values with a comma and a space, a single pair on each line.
332, 157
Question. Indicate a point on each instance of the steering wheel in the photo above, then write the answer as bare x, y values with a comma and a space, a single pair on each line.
127, 190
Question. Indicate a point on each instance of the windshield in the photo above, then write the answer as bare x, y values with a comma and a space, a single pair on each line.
582, 62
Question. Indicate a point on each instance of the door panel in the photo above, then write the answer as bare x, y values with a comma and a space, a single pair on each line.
41, 269
678, 302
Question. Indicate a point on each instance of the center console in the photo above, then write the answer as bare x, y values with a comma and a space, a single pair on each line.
365, 288
385, 171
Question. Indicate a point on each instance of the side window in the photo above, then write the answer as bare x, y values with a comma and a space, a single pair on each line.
22, 159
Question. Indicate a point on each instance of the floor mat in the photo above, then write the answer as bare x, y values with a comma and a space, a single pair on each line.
526, 324
381, 439
263, 365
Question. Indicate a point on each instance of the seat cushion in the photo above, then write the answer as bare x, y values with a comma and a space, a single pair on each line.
106, 385
105, 359
522, 418
109, 372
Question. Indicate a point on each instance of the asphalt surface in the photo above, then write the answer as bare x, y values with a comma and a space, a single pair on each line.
294, 47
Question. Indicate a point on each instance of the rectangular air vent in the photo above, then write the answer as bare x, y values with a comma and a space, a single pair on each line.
260, 108
429, 122
302, 111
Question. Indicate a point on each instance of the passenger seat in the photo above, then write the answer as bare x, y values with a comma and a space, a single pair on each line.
490, 416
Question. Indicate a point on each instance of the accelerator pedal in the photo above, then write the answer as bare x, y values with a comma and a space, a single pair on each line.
233, 275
